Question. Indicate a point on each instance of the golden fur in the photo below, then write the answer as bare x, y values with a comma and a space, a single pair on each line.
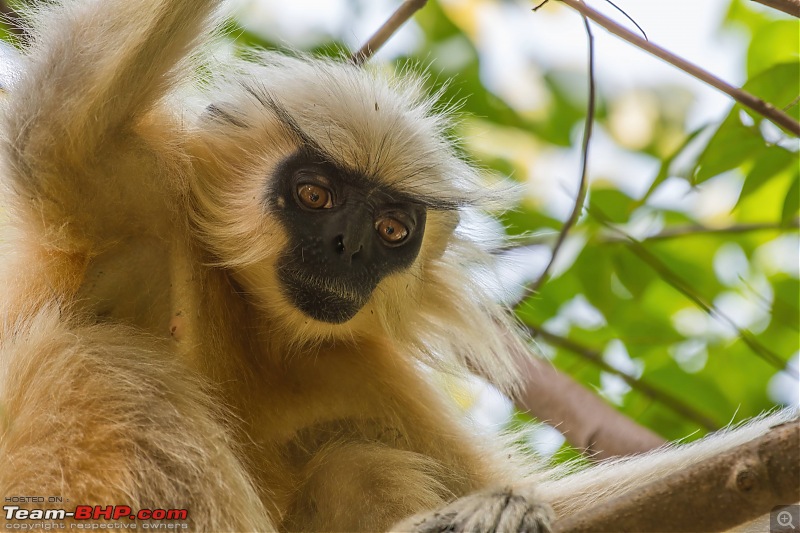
148, 356
129, 212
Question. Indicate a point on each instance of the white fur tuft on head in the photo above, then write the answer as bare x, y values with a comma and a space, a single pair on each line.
387, 130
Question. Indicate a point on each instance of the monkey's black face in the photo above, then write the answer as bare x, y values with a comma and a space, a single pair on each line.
346, 233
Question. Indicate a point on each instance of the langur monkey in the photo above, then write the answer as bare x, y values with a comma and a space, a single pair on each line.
222, 284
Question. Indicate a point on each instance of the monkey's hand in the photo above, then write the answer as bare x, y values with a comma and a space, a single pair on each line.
500, 510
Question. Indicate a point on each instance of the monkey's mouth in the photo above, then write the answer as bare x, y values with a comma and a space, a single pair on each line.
327, 300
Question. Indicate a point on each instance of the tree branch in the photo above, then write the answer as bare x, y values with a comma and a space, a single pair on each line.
790, 7
696, 229
732, 488
758, 105
675, 404
379, 38
587, 422
666, 234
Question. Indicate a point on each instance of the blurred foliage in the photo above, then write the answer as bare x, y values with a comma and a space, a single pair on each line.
663, 297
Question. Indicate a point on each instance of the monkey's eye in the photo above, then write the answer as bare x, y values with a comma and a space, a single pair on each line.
391, 230
314, 196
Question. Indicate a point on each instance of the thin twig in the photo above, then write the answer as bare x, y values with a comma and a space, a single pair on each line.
594, 357
758, 105
717, 494
790, 7
379, 38
696, 229
615, 6
674, 232
582, 187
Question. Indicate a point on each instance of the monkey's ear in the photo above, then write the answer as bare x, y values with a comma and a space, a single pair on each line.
215, 113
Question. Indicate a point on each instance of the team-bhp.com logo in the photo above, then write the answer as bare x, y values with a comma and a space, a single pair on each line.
17, 517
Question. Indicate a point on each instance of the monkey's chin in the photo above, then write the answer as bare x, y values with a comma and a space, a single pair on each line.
316, 300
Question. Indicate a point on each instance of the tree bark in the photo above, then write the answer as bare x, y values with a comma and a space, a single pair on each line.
732, 488
587, 422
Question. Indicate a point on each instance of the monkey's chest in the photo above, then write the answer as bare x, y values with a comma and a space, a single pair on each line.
130, 283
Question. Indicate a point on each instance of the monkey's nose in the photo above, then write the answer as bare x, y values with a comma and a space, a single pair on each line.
347, 252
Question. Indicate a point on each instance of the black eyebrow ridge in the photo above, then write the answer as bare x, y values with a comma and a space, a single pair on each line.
290, 124
308, 143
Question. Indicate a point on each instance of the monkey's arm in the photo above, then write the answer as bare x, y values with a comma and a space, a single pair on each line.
94, 66
93, 69
80, 181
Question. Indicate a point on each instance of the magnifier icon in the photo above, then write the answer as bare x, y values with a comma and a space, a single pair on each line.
785, 519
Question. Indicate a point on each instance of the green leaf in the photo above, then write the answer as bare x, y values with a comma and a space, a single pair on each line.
769, 163
739, 13
690, 260
706, 396
665, 170
773, 43
635, 276
792, 203
526, 219
435, 23
545, 304
778, 85
785, 305
613, 203
733, 144
593, 268
742, 377
659, 418
565, 109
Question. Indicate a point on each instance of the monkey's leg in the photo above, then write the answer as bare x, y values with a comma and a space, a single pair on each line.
97, 415
364, 486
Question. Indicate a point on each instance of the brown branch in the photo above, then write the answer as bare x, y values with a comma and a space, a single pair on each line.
379, 38
696, 229
758, 105
734, 487
582, 187
586, 421
672, 402
790, 7
666, 234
